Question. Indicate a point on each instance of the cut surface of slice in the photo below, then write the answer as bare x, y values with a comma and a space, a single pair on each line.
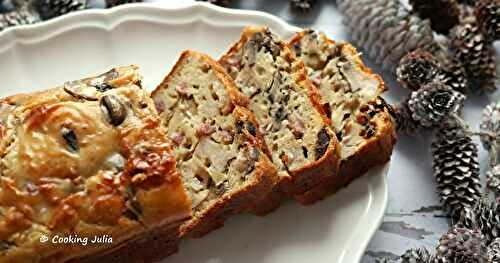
351, 97
219, 152
286, 105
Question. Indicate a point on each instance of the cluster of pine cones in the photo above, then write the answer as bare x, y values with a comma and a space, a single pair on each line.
442, 50
459, 245
490, 130
24, 12
438, 76
457, 36
475, 234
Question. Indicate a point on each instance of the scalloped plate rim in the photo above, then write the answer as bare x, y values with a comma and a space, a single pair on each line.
33, 32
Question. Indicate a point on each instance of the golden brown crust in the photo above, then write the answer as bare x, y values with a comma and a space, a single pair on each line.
374, 151
307, 177
237, 98
151, 246
314, 174
274, 199
304, 182
86, 159
362, 66
327, 167
345, 46
238, 201
264, 176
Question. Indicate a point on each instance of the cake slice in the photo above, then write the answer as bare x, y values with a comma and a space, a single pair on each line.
221, 156
88, 159
286, 105
351, 96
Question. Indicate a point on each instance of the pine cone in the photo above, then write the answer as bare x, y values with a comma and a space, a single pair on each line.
404, 121
48, 9
453, 74
456, 168
417, 256
302, 5
467, 13
218, 2
113, 3
416, 69
462, 245
7, 6
467, 2
24, 16
385, 30
490, 126
488, 18
493, 180
444, 14
494, 251
434, 103
485, 216
469, 46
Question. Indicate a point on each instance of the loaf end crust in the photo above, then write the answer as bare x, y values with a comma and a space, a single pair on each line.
86, 159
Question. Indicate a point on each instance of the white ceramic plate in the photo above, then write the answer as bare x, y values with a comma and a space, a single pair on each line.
152, 36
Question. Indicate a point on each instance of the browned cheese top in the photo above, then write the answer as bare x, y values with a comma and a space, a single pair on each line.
86, 159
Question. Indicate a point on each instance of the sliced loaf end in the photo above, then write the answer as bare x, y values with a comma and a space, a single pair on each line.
286, 105
219, 151
351, 97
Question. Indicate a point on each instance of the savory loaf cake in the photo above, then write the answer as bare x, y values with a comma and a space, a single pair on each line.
350, 95
83, 161
286, 105
219, 151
